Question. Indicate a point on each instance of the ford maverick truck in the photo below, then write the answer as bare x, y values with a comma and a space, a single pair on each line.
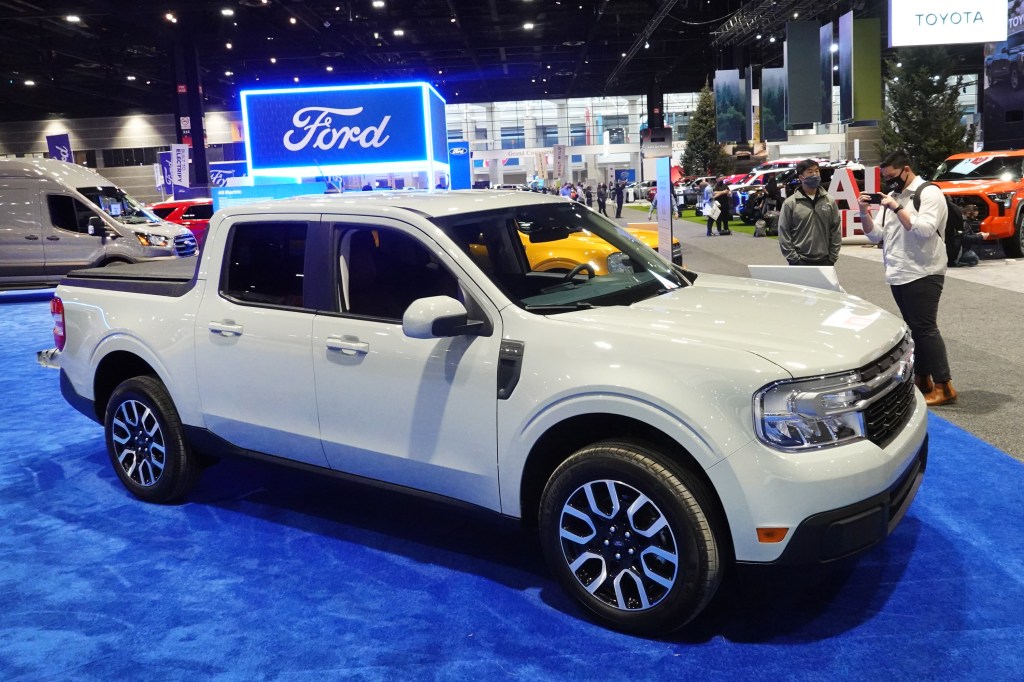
656, 425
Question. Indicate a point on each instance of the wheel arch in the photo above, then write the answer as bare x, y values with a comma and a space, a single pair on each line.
561, 440
112, 370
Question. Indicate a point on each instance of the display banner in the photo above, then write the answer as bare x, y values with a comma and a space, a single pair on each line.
748, 104
773, 105
561, 162
803, 72
846, 68
458, 163
60, 147
179, 165
357, 129
1004, 104
867, 70
825, 41
945, 22
728, 106
666, 206
166, 185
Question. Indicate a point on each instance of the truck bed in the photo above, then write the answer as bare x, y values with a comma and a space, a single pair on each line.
171, 277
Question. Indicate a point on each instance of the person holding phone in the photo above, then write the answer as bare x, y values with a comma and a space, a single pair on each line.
914, 255
809, 223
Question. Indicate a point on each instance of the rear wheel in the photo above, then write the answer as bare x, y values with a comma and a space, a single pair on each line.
631, 537
1013, 246
146, 441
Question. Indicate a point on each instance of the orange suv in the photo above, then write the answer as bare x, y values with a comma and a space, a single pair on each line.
992, 183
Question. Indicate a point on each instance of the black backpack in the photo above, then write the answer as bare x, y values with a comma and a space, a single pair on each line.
954, 232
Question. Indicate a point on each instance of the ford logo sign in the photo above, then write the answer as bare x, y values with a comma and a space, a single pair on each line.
458, 151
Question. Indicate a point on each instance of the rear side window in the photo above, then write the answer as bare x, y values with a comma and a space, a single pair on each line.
68, 213
266, 263
198, 212
163, 212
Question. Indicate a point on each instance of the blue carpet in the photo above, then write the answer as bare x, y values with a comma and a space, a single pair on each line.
267, 573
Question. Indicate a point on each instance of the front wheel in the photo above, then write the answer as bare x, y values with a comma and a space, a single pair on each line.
1013, 246
146, 441
631, 537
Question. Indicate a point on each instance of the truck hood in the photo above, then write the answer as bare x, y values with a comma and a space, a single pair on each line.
804, 330
993, 185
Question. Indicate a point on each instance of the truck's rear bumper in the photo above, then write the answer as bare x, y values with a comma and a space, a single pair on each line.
80, 403
49, 358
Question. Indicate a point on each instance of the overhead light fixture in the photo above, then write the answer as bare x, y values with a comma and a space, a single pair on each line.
528, 26
329, 68
379, 4
771, 39
796, 15
229, 73
73, 18
833, 48
227, 12
647, 45
623, 54
228, 45
398, 32
292, 20
30, 83
171, 18
273, 60
835, 67
452, 20
296, 79
131, 78
758, 36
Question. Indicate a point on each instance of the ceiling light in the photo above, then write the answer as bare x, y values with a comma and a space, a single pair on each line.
330, 68
771, 39
623, 54
758, 36
73, 18
835, 68
528, 26
131, 78
292, 20
228, 45
30, 83
796, 15
453, 21
398, 32
647, 45
296, 79
171, 18
833, 48
227, 12
899, 65
376, 36
378, 4
229, 73
440, 71
273, 60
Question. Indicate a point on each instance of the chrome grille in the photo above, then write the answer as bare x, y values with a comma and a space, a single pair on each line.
185, 245
886, 415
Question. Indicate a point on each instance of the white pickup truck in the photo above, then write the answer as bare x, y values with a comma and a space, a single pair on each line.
656, 425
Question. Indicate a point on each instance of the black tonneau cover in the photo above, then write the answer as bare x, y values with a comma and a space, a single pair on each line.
172, 277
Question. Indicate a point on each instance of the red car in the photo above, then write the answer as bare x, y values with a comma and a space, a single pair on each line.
192, 213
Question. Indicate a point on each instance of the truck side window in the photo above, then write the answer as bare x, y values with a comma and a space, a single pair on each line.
266, 263
68, 213
383, 271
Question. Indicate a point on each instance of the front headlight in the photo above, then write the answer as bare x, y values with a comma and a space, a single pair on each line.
810, 413
152, 239
1002, 198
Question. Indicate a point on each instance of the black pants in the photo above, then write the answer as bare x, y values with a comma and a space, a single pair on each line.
618, 209
601, 204
918, 302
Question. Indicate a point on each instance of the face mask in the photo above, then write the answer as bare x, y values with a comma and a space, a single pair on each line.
811, 181
897, 183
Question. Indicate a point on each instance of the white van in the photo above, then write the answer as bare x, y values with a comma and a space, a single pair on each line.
56, 217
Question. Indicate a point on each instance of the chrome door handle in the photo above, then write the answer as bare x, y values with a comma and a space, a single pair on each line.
347, 347
225, 328
53, 239
32, 237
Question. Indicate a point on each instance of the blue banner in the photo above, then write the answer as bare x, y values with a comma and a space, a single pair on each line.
458, 162
165, 171
60, 147
222, 171
362, 129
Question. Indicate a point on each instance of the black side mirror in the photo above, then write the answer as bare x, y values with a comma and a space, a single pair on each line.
97, 227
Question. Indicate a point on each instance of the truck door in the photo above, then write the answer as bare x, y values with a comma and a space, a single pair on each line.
21, 235
416, 412
252, 345
69, 245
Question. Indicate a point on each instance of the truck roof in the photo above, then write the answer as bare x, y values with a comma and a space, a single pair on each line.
68, 173
431, 203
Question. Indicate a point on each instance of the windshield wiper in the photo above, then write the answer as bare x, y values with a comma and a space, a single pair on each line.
560, 307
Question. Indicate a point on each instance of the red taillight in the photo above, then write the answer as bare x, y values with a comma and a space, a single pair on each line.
57, 311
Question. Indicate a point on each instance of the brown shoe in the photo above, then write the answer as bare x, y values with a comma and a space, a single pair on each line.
924, 383
942, 393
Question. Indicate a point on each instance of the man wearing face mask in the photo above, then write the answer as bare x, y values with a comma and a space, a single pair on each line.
809, 232
915, 266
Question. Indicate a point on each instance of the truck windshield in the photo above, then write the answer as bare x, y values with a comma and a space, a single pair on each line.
1007, 168
119, 205
553, 257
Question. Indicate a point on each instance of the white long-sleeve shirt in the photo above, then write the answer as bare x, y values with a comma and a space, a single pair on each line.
920, 251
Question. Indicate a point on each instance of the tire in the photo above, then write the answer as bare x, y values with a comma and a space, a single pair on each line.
597, 513
1013, 247
146, 442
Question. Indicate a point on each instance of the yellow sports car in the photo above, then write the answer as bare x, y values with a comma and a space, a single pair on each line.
583, 247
